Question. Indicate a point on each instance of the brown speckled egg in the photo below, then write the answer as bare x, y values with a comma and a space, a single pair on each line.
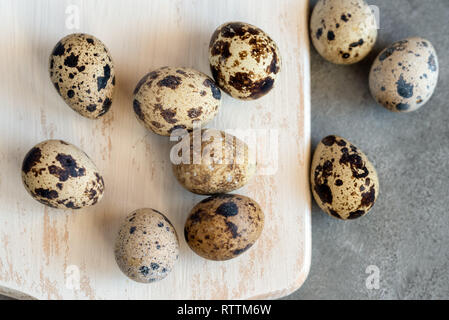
223, 226
147, 246
344, 182
404, 75
221, 163
244, 60
343, 31
82, 71
173, 98
60, 175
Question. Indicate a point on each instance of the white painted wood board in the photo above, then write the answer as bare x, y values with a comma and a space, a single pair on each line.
42, 248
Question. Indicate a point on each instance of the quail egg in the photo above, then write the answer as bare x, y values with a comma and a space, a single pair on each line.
82, 71
174, 98
343, 31
244, 60
223, 226
344, 182
221, 163
147, 246
60, 175
404, 75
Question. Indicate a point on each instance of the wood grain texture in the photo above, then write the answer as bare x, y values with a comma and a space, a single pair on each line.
39, 245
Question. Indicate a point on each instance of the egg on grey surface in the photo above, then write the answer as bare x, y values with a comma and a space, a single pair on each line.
174, 98
82, 71
60, 175
343, 31
244, 60
221, 163
344, 182
224, 226
404, 75
147, 246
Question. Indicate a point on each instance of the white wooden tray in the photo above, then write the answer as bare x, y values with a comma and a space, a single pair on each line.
51, 254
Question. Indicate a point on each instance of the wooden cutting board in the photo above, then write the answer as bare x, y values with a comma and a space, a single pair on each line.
51, 254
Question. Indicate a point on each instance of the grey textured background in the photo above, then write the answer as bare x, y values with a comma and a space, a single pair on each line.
406, 235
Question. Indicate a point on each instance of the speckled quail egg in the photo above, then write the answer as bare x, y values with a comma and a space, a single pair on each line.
82, 71
220, 163
60, 175
174, 98
223, 226
404, 75
343, 31
344, 182
244, 60
147, 246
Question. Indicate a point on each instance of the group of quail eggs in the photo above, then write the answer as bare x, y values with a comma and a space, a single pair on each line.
168, 101
244, 63
402, 78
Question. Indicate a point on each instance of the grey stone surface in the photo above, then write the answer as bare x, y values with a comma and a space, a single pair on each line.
406, 235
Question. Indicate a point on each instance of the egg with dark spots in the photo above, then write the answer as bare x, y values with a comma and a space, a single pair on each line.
344, 182
147, 246
404, 76
174, 98
82, 71
60, 175
343, 31
218, 163
244, 60
223, 226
